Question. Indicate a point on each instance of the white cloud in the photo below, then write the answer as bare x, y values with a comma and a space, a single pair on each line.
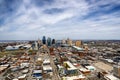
30, 21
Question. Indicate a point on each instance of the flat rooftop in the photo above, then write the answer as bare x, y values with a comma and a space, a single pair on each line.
103, 66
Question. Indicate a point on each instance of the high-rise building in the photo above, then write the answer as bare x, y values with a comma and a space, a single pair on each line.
36, 45
78, 43
44, 40
49, 42
33, 46
69, 42
39, 43
53, 41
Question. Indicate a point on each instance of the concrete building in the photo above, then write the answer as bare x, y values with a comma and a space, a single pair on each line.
36, 46
78, 43
63, 41
69, 42
37, 74
71, 69
85, 46
39, 43
116, 70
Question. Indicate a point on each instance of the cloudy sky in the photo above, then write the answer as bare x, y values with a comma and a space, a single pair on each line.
59, 19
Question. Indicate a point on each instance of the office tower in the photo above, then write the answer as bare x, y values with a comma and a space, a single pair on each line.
78, 43
36, 46
69, 42
33, 46
44, 40
53, 41
39, 43
49, 41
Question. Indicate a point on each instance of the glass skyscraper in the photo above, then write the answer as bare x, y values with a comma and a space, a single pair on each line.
44, 40
49, 42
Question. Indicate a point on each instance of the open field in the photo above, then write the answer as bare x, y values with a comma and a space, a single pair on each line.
11, 52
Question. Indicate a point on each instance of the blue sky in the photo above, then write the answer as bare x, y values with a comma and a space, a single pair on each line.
59, 19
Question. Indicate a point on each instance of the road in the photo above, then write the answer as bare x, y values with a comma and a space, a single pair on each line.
55, 72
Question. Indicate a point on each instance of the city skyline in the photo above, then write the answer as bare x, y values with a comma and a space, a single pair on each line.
59, 19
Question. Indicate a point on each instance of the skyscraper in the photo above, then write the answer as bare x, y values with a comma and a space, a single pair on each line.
44, 40
53, 41
49, 41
